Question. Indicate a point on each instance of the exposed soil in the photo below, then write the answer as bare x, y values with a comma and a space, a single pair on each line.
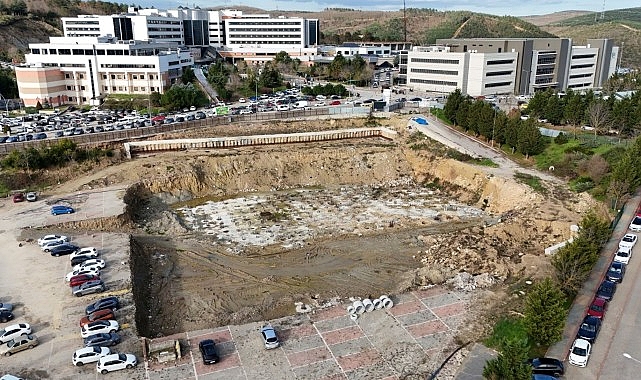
186, 278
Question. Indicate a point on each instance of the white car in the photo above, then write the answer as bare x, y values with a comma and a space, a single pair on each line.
115, 362
98, 327
91, 271
88, 355
628, 240
91, 252
635, 225
49, 238
14, 331
580, 352
623, 255
91, 263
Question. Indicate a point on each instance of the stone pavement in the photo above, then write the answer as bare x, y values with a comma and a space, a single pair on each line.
412, 338
585, 296
472, 366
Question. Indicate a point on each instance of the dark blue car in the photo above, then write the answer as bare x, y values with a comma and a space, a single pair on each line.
616, 272
57, 210
589, 328
606, 290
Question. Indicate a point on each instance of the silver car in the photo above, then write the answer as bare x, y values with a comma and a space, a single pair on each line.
89, 287
269, 337
18, 344
6, 306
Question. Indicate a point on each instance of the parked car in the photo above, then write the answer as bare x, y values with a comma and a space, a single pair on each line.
635, 225
14, 331
18, 197
207, 349
547, 366
100, 315
335, 103
115, 362
6, 306
104, 339
5, 316
628, 240
57, 210
81, 279
269, 337
79, 259
98, 327
88, 355
18, 344
616, 272
103, 303
31, 196
51, 238
598, 307
63, 249
10, 377
623, 255
580, 352
90, 252
91, 263
47, 247
92, 272
89, 287
606, 290
589, 329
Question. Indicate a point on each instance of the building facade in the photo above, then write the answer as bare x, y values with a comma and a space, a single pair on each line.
81, 70
540, 64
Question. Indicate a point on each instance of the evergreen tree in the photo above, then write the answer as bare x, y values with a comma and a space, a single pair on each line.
545, 313
511, 363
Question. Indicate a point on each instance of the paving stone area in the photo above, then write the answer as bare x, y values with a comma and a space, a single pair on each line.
413, 337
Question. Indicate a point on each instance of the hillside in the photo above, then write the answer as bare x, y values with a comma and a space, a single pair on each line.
551, 18
621, 25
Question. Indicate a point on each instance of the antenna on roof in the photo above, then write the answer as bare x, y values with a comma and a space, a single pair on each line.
603, 11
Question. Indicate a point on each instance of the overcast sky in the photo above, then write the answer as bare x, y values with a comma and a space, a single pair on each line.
496, 7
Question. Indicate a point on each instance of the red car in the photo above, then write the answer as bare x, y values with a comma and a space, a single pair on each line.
100, 315
598, 308
335, 103
18, 197
81, 279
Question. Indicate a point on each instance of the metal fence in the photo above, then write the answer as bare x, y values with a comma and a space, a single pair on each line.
137, 133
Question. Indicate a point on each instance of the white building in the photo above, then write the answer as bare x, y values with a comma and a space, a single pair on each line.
437, 69
81, 70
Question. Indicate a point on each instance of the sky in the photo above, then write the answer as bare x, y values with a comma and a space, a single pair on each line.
496, 7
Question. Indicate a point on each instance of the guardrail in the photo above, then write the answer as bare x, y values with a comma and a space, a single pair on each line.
98, 138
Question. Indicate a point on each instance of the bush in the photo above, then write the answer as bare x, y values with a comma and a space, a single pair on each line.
561, 139
545, 313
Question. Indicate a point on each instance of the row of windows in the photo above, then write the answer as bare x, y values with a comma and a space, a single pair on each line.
84, 35
163, 29
133, 76
498, 73
75, 22
583, 66
165, 36
500, 62
583, 56
589, 75
79, 51
85, 28
290, 36
70, 75
435, 82
73, 88
264, 30
72, 65
497, 84
165, 22
546, 61
262, 23
124, 88
255, 42
545, 71
580, 85
543, 80
127, 66
435, 60
431, 71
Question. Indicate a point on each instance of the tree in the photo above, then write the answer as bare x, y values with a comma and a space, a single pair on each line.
188, 75
573, 264
270, 77
510, 364
599, 116
454, 100
529, 141
545, 313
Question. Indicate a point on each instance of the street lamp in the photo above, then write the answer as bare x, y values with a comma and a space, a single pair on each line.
626, 355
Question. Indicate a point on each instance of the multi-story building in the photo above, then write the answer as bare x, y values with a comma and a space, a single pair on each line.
82, 70
256, 38
540, 63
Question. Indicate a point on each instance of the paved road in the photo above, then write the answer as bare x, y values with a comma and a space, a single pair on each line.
465, 144
621, 329
203, 81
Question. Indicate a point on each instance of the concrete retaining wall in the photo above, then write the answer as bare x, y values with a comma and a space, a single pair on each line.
132, 148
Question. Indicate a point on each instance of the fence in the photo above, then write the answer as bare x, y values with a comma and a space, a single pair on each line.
138, 133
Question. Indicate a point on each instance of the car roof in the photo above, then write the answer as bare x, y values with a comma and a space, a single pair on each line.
581, 343
599, 301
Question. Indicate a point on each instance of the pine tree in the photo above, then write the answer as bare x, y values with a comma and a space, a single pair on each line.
511, 363
545, 312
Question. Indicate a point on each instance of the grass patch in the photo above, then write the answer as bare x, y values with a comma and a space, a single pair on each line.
555, 153
530, 180
440, 114
486, 162
506, 328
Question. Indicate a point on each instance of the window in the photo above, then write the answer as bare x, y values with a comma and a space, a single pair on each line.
434, 60
84, 99
67, 76
435, 82
120, 88
498, 84
119, 76
82, 88
135, 88
68, 88
113, 88
142, 76
143, 88
81, 76
497, 73
500, 62
152, 89
104, 76
134, 76
105, 88
431, 71
113, 76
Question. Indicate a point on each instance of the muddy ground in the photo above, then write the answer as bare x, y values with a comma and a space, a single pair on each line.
189, 279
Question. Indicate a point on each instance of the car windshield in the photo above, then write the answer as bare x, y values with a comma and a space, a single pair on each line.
636, 220
579, 351
588, 327
622, 254
122, 357
596, 308
615, 269
628, 239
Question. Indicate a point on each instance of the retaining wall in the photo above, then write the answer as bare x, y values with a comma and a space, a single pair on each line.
132, 148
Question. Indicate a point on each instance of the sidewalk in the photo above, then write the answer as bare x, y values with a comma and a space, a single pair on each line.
586, 294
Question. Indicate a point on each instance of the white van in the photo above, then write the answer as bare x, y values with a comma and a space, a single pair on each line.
301, 104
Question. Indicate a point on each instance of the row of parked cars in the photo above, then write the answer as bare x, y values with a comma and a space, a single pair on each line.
591, 325
99, 327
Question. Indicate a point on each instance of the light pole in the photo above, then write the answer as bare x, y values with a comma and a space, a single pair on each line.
493, 126
625, 354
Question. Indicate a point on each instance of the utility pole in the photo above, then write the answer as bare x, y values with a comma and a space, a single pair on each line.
404, 22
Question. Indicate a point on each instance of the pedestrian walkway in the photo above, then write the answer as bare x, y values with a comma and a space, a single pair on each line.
472, 366
586, 294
